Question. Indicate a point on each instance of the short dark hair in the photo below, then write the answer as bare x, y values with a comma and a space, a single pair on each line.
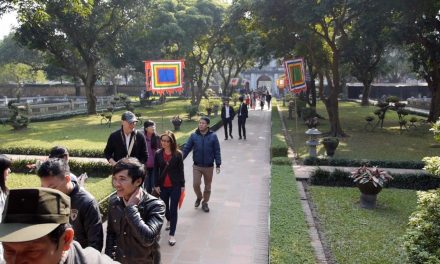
241, 98
54, 167
58, 152
133, 166
207, 120
5, 163
149, 123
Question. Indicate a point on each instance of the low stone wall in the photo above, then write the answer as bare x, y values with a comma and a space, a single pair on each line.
34, 90
421, 103
43, 110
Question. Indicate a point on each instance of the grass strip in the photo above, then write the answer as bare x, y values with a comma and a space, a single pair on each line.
289, 236
359, 235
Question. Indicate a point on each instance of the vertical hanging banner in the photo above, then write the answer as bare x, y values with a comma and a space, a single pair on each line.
295, 73
234, 82
164, 76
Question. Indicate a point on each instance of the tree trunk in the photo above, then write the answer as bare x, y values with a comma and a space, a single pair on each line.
434, 111
89, 84
366, 94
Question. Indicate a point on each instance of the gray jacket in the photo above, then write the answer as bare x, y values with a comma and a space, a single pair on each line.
79, 255
133, 232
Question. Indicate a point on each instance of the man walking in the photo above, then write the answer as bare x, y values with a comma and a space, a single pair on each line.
242, 115
206, 150
126, 142
85, 217
227, 116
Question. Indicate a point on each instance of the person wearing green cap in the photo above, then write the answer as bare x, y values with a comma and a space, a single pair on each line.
35, 229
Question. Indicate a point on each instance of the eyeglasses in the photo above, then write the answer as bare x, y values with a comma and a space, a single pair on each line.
163, 140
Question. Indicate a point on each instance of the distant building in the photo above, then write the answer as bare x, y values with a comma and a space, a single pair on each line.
264, 77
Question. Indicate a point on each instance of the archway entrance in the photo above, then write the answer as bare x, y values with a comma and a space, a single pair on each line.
264, 84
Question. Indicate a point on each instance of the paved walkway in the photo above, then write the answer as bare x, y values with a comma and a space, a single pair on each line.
236, 228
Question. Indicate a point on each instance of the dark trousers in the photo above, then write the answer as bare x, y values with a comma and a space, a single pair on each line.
149, 181
242, 126
171, 197
227, 122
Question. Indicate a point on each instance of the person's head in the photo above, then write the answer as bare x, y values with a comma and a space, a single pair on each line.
128, 175
55, 173
168, 139
204, 124
5, 169
226, 102
240, 99
129, 121
149, 127
59, 152
35, 226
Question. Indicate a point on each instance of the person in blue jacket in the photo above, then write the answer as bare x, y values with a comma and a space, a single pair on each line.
206, 150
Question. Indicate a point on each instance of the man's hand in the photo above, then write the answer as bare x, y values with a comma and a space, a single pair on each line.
157, 189
112, 162
217, 170
135, 197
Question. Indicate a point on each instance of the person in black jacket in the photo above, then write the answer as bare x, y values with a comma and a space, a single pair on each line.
168, 170
135, 217
153, 144
242, 114
85, 217
227, 116
126, 142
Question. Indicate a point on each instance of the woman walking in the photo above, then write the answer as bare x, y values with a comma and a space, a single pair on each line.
170, 183
5, 169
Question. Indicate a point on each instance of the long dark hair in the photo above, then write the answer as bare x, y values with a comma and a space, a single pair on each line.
5, 163
173, 143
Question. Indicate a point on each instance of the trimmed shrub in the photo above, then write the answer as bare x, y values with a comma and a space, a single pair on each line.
90, 153
341, 178
278, 146
418, 165
281, 161
93, 169
421, 239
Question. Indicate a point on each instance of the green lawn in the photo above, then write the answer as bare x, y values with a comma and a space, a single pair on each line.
86, 132
364, 236
381, 144
98, 187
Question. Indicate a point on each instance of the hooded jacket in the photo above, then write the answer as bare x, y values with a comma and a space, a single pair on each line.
206, 149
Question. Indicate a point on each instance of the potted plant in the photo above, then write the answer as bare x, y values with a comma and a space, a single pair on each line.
177, 121
370, 182
330, 145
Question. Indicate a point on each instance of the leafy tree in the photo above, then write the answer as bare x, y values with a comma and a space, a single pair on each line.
419, 27
76, 34
20, 73
366, 43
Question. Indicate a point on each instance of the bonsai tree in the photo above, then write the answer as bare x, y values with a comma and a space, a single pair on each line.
18, 115
191, 110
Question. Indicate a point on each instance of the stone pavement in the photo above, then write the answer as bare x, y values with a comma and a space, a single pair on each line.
236, 230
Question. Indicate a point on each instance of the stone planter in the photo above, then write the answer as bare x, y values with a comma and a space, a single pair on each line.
330, 145
369, 194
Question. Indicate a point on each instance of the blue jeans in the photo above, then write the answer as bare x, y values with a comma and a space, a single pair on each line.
171, 197
149, 181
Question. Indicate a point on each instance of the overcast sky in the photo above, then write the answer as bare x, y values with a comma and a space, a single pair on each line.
7, 21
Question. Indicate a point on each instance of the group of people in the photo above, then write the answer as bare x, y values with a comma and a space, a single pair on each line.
60, 221
254, 99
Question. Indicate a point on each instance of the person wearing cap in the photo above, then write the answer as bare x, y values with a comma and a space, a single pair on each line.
153, 145
85, 217
206, 150
35, 229
135, 217
242, 115
126, 142
227, 115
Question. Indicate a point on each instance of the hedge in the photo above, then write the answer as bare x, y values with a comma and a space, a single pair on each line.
281, 161
278, 146
93, 169
90, 153
340, 178
417, 165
